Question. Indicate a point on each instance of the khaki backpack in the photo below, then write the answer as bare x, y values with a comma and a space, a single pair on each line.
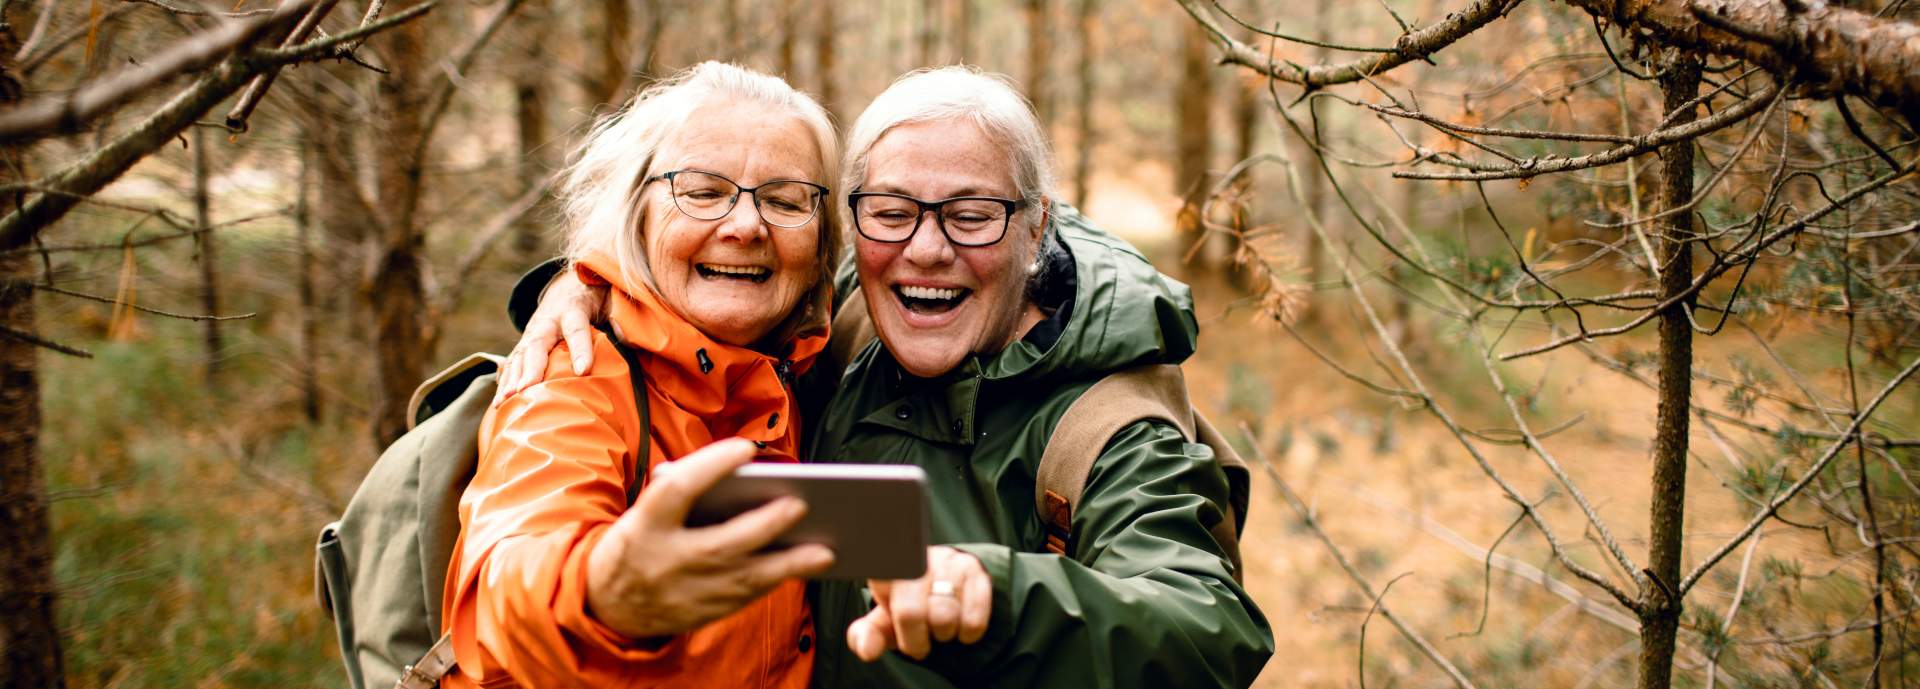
380, 569
1121, 399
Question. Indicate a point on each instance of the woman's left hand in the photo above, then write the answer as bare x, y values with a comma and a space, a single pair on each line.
952, 601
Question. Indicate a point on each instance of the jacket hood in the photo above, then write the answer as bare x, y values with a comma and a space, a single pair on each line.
1125, 313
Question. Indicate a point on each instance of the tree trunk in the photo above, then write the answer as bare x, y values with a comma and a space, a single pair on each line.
1083, 149
1660, 617
735, 31
209, 257
309, 309
618, 16
823, 38
929, 32
1314, 182
962, 31
1039, 39
1193, 101
789, 39
29, 635
396, 293
343, 215
530, 119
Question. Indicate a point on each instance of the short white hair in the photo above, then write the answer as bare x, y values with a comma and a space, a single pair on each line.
990, 101
599, 191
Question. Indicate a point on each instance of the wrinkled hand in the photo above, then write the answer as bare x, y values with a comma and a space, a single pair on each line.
566, 311
651, 576
908, 615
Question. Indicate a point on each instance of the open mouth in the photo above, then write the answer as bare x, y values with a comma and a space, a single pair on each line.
716, 271
930, 299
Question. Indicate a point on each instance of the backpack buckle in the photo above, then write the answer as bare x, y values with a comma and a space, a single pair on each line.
1057, 520
426, 673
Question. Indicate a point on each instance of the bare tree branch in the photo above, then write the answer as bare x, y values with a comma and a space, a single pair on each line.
1416, 45
1834, 48
72, 112
250, 99
1818, 466
66, 187
1650, 141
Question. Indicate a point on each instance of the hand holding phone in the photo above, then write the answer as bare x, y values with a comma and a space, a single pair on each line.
650, 575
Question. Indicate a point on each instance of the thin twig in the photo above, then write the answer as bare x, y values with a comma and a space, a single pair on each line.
1300, 510
38, 341
137, 307
190, 12
1819, 465
1362, 645
1653, 140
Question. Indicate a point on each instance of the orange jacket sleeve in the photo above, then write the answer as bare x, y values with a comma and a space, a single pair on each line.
555, 460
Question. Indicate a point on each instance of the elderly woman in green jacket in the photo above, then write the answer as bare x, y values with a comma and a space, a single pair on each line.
995, 308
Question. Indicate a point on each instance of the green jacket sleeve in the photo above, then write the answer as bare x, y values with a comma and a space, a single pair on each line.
1147, 598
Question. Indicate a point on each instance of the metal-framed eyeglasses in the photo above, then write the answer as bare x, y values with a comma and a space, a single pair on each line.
703, 195
965, 220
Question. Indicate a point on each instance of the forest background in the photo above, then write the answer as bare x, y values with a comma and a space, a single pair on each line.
1502, 298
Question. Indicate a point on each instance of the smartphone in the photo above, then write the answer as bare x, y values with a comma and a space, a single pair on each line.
873, 516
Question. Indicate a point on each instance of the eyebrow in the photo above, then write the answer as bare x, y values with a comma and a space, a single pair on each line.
798, 177
963, 191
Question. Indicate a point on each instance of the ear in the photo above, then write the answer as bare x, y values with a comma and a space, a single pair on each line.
1046, 218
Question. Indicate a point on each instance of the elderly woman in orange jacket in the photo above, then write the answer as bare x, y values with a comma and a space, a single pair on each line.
701, 204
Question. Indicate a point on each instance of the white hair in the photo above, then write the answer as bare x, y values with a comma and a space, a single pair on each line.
599, 191
990, 101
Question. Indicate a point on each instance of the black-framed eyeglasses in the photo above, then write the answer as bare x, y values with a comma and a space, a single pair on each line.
703, 195
965, 220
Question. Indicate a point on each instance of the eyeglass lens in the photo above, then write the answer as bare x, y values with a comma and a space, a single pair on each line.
706, 196
967, 221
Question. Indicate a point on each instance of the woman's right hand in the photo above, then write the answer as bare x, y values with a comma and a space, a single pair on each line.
566, 310
651, 576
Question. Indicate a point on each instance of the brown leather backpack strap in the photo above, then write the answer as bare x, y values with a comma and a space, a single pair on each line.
1115, 402
852, 330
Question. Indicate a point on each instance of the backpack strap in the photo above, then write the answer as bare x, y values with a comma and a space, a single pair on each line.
1119, 400
639, 379
426, 673
1143, 393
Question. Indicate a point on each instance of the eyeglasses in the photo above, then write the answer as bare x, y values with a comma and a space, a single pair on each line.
965, 220
708, 196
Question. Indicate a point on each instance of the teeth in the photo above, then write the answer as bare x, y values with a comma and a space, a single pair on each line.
935, 293
748, 271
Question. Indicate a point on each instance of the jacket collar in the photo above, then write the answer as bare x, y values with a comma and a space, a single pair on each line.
736, 390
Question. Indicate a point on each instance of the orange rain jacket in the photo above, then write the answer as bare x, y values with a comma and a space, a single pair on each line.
555, 461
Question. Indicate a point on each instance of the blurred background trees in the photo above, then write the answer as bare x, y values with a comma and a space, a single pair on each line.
1579, 336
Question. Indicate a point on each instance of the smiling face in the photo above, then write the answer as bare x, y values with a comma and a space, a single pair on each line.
738, 277
934, 303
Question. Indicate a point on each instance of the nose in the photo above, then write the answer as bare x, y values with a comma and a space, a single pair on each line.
743, 222
929, 246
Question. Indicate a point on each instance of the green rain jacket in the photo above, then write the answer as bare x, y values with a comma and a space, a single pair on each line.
1146, 597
